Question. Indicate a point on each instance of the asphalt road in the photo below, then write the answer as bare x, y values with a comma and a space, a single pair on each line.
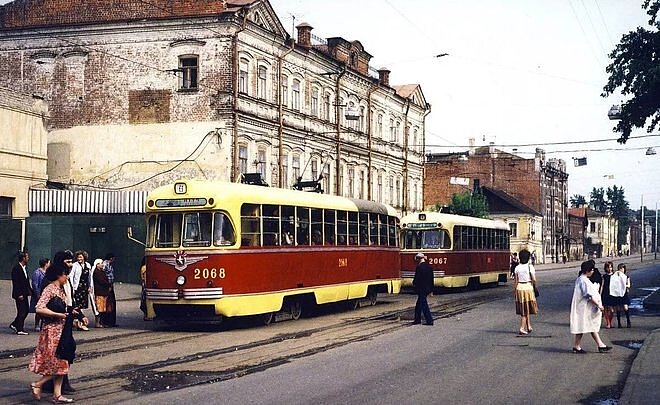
471, 357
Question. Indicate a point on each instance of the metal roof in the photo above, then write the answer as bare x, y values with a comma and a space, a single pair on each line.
86, 201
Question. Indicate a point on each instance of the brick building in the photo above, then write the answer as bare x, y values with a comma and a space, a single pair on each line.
537, 183
577, 225
143, 93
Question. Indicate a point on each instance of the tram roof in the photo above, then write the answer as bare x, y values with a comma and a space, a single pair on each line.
451, 219
238, 193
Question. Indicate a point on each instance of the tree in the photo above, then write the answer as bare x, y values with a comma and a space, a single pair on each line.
619, 208
597, 200
578, 200
635, 68
469, 204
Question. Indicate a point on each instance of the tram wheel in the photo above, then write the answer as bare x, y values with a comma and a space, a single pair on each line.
296, 310
373, 297
353, 304
268, 318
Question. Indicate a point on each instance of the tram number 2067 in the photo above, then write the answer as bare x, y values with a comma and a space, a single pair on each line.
209, 273
437, 260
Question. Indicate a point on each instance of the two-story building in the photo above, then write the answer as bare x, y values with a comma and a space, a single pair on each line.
601, 234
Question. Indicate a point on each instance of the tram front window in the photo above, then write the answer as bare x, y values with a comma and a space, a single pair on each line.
431, 239
197, 230
223, 230
169, 230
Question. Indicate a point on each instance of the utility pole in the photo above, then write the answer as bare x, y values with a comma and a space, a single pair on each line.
641, 249
655, 249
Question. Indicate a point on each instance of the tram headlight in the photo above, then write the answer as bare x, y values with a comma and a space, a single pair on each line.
181, 280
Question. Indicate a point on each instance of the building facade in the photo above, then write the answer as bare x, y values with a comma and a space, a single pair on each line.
538, 183
143, 93
577, 225
601, 234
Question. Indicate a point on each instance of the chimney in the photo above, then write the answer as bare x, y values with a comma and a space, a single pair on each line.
384, 76
471, 146
491, 148
304, 35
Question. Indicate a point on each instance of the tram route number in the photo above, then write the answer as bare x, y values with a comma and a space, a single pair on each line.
208, 273
343, 262
437, 260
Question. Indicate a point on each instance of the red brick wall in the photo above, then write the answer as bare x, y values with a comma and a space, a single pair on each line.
515, 176
40, 13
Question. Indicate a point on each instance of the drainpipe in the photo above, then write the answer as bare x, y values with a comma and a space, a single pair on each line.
280, 116
426, 113
234, 106
373, 88
404, 209
338, 131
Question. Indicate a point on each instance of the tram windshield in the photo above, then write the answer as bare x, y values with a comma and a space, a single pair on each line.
192, 229
427, 239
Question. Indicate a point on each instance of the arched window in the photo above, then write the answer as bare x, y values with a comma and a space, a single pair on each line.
262, 74
415, 146
243, 76
295, 164
315, 102
327, 111
351, 181
397, 132
261, 162
284, 82
392, 134
242, 159
295, 95
379, 126
379, 190
361, 121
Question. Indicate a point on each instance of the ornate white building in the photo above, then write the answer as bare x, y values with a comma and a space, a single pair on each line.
142, 93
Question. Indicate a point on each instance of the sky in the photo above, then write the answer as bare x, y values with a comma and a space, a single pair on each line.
519, 72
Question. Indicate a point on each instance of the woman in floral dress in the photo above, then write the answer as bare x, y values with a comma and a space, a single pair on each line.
44, 361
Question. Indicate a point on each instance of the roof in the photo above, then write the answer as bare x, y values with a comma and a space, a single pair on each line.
500, 202
448, 220
578, 212
405, 90
22, 102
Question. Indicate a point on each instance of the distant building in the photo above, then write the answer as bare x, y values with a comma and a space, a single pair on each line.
524, 222
577, 224
601, 234
538, 183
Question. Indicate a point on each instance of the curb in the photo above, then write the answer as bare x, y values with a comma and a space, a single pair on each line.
642, 381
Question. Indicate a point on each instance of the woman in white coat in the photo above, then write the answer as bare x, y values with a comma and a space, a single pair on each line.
586, 310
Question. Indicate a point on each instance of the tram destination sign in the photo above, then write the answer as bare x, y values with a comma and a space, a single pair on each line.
180, 202
422, 225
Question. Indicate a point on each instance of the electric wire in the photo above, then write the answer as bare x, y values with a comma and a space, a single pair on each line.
602, 19
584, 33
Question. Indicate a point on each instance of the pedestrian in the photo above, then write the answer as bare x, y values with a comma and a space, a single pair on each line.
532, 257
423, 284
524, 287
20, 292
143, 292
109, 318
102, 288
619, 288
53, 309
37, 278
81, 273
586, 310
563, 258
605, 296
513, 262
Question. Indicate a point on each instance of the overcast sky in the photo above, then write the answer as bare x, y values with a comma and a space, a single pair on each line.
518, 72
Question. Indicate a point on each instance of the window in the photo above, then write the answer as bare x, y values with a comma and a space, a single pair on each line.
373, 229
397, 132
326, 177
391, 190
285, 90
326, 107
295, 164
315, 170
380, 188
382, 229
262, 88
188, 66
392, 136
287, 225
329, 227
5, 206
513, 228
317, 226
364, 228
295, 95
302, 226
271, 225
361, 121
361, 185
223, 230
392, 230
242, 159
431, 239
261, 162
352, 228
415, 147
379, 126
351, 123
250, 225
315, 103
414, 202
340, 180
243, 76
398, 193
342, 228
351, 181
197, 229
592, 227
285, 170
168, 232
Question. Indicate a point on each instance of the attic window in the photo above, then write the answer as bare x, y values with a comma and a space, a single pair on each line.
188, 70
354, 59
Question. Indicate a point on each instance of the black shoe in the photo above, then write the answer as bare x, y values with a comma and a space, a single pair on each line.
579, 351
604, 349
428, 323
417, 322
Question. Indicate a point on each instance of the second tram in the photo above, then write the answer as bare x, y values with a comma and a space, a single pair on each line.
218, 250
461, 250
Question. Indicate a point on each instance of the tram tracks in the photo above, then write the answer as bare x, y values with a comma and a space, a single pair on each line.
122, 380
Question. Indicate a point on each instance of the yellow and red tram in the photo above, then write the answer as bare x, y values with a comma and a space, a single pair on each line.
461, 250
218, 250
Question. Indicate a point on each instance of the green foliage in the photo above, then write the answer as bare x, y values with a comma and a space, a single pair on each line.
619, 208
635, 68
597, 200
469, 204
577, 201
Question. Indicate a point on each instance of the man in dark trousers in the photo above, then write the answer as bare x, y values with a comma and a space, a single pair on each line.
20, 292
423, 284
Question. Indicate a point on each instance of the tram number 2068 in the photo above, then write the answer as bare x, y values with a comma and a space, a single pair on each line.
209, 273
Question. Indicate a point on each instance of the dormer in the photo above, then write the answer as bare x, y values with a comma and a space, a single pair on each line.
350, 53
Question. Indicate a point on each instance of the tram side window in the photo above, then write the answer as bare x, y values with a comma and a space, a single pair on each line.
169, 231
342, 228
223, 230
317, 226
250, 225
364, 228
382, 231
151, 231
271, 225
288, 225
392, 230
373, 229
302, 225
436, 239
197, 229
352, 228
329, 227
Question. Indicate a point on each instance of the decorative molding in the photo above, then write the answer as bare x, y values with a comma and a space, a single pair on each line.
187, 41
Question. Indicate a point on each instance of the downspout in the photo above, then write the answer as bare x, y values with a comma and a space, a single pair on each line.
404, 209
373, 88
280, 116
234, 106
338, 131
426, 113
